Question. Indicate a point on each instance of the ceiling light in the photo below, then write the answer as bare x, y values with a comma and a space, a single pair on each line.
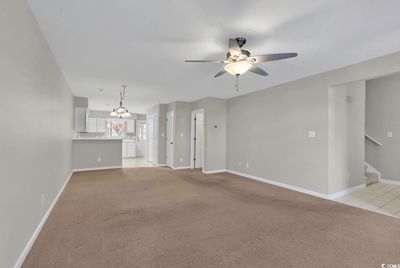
121, 111
237, 68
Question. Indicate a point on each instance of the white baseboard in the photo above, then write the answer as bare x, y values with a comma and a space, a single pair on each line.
346, 191
284, 185
298, 189
95, 168
214, 171
176, 168
160, 165
29, 245
395, 182
372, 169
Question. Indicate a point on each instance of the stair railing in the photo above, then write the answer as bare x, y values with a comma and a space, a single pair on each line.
372, 139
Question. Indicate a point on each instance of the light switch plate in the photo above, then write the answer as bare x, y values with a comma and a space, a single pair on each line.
311, 134
390, 134
181, 134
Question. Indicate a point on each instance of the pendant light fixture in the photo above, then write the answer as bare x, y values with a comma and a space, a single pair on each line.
121, 111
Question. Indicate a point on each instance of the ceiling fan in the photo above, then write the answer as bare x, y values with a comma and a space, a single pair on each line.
238, 61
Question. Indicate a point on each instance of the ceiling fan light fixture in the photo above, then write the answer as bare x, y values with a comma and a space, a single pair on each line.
237, 68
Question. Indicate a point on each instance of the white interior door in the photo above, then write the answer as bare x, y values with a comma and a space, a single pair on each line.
199, 140
169, 144
150, 140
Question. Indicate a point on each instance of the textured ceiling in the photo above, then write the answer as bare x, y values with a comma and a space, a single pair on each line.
100, 44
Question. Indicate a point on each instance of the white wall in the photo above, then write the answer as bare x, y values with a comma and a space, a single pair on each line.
36, 133
268, 128
383, 116
346, 117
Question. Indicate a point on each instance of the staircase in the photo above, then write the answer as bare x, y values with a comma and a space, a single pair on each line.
371, 176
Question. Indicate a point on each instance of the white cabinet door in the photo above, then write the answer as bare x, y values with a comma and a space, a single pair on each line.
130, 126
124, 151
91, 125
80, 117
131, 149
100, 125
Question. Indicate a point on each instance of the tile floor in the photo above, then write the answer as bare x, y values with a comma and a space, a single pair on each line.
135, 162
380, 197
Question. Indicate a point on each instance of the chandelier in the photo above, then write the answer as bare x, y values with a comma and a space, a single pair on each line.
121, 111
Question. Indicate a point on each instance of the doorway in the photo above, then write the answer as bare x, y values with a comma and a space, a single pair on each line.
169, 139
197, 139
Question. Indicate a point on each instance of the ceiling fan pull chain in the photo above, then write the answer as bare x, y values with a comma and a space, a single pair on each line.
237, 83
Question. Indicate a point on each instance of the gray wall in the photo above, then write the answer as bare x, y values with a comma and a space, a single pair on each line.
268, 129
346, 117
35, 141
160, 110
86, 153
383, 115
214, 132
182, 117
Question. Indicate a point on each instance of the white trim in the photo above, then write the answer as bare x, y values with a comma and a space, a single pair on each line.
176, 168
346, 191
294, 188
193, 115
214, 171
35, 234
299, 189
395, 182
159, 165
96, 168
172, 148
373, 169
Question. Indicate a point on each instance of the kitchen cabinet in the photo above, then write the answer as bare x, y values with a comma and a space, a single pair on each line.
128, 149
101, 125
80, 119
96, 125
130, 126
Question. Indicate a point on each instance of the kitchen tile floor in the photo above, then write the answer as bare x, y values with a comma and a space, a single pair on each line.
380, 197
135, 162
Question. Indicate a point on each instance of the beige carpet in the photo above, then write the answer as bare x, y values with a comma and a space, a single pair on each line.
155, 217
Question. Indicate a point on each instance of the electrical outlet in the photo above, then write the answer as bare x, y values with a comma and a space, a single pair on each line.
99, 159
390, 134
311, 134
181, 159
42, 199
247, 165
240, 164
181, 134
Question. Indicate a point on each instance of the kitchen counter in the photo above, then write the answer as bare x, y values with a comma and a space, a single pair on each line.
97, 139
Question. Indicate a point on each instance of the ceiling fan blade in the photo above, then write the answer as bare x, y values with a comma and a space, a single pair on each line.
220, 73
234, 48
206, 61
257, 70
271, 57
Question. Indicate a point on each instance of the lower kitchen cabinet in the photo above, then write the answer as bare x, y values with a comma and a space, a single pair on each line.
128, 149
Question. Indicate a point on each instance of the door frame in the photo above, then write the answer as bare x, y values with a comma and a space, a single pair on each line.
153, 117
166, 138
192, 129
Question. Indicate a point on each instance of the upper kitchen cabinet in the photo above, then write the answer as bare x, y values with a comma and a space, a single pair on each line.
130, 126
96, 125
80, 114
